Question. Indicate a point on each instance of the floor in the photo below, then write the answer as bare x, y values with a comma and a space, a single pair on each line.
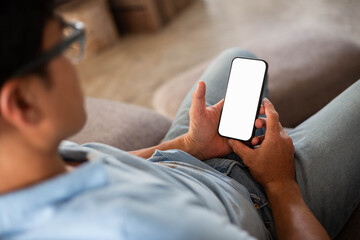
137, 65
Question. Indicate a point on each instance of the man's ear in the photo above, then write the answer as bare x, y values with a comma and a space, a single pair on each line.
18, 104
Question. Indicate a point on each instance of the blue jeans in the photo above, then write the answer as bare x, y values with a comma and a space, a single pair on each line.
327, 151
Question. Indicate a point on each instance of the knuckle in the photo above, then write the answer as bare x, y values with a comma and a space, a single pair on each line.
287, 138
289, 142
274, 132
292, 144
275, 115
191, 110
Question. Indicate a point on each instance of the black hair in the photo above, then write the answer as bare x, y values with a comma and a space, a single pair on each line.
22, 23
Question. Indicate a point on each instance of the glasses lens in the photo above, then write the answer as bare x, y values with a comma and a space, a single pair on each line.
75, 51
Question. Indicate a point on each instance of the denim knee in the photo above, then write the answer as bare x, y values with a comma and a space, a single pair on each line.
237, 52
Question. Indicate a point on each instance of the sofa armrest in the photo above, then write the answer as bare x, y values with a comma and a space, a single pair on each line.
121, 125
307, 70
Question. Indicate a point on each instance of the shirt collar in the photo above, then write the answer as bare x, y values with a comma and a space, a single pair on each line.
38, 202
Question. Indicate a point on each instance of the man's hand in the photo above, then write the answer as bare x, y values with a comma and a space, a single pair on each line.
273, 160
272, 165
202, 140
202, 136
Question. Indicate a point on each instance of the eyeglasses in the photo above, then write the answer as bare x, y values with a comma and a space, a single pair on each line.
73, 47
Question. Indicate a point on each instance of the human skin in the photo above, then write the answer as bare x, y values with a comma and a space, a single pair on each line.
35, 117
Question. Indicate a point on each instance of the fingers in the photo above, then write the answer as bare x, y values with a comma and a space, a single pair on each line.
240, 148
219, 105
272, 117
260, 123
262, 110
257, 140
198, 104
201, 89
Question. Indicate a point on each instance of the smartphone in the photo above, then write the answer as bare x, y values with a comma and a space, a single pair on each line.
242, 98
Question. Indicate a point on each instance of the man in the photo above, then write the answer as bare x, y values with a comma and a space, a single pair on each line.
154, 194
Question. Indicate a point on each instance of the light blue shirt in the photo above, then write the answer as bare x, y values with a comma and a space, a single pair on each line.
116, 195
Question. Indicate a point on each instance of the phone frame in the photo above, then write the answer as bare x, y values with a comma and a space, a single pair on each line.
259, 101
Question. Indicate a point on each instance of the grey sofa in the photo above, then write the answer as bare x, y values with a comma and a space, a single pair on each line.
306, 71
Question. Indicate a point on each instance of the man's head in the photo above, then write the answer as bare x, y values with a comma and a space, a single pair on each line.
43, 103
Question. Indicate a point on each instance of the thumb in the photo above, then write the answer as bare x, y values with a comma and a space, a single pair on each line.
198, 104
219, 105
240, 149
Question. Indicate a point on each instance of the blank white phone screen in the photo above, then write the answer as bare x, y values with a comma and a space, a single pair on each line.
242, 98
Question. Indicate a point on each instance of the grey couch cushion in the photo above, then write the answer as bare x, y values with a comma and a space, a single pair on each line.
124, 126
